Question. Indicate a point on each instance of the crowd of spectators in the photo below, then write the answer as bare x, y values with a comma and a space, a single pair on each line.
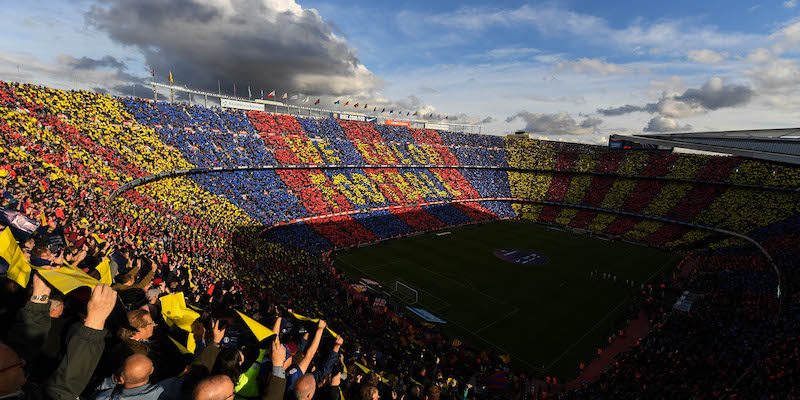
180, 296
126, 337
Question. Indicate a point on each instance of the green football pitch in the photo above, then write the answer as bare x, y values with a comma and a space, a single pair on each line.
549, 317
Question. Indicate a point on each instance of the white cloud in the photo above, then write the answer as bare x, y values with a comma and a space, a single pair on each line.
505, 53
759, 56
665, 124
640, 37
706, 56
592, 66
790, 3
64, 73
787, 38
777, 75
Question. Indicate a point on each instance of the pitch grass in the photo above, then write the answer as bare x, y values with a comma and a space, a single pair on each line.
549, 317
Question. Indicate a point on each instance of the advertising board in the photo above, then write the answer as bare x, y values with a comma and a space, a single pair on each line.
241, 105
392, 122
351, 117
439, 127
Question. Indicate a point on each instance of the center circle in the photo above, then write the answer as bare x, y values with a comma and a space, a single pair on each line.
520, 256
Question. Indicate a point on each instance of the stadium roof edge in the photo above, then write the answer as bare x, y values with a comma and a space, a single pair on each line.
777, 145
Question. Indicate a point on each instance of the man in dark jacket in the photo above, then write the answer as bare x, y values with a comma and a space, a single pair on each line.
83, 349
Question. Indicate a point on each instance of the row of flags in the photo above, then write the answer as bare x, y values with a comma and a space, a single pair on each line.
285, 96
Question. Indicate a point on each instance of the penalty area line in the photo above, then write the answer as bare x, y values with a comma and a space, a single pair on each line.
514, 311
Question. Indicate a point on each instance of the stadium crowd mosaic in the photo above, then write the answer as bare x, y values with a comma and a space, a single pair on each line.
183, 253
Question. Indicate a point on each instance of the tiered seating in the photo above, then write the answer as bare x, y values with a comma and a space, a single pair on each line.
63, 153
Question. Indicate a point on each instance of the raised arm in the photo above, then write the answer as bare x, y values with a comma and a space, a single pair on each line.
276, 327
148, 279
277, 382
84, 348
312, 349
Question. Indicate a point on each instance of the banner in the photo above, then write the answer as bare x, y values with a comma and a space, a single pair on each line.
379, 303
175, 312
439, 127
392, 122
19, 269
67, 279
104, 268
261, 332
367, 371
359, 288
370, 282
19, 223
315, 320
426, 315
242, 105
350, 117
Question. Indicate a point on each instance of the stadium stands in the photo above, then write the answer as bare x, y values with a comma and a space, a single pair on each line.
258, 242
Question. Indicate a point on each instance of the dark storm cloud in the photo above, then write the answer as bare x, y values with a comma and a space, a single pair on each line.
713, 95
91, 63
628, 108
280, 47
555, 124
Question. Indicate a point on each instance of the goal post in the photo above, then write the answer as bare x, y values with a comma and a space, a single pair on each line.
405, 293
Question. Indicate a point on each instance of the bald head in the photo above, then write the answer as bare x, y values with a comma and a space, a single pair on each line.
305, 387
215, 387
136, 371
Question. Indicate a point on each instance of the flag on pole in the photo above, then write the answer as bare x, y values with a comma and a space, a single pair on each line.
407, 113
271, 94
337, 102
170, 77
294, 97
384, 110
249, 93
415, 113
234, 90
306, 100
356, 105
316, 102
262, 94
365, 106
153, 72
285, 95
347, 102
391, 111
375, 109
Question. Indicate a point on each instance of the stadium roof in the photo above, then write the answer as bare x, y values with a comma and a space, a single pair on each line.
780, 145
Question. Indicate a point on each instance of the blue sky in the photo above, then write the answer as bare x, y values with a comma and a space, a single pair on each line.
566, 70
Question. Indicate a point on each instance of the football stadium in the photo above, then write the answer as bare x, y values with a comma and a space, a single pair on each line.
193, 244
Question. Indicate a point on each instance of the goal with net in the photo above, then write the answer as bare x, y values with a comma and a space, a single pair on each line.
405, 293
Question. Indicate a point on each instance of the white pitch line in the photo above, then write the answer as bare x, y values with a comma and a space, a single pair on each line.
496, 300
498, 320
587, 332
